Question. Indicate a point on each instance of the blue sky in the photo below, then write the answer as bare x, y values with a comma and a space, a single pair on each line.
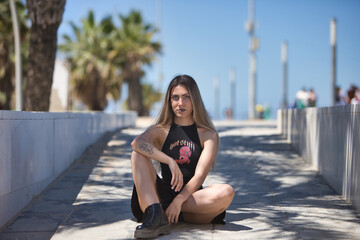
206, 38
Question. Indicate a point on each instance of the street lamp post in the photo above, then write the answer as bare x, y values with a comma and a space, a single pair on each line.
232, 93
333, 60
284, 59
254, 44
159, 28
217, 97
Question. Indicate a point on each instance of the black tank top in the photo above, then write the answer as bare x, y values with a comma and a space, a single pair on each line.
183, 145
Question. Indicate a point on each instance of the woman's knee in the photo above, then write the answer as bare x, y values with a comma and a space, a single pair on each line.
225, 193
136, 157
142, 166
230, 192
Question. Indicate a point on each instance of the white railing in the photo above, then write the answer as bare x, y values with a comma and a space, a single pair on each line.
36, 147
329, 139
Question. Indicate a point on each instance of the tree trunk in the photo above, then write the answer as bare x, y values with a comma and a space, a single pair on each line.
135, 96
46, 17
98, 92
6, 83
131, 74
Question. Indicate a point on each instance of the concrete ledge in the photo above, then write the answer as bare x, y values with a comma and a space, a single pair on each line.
329, 139
36, 147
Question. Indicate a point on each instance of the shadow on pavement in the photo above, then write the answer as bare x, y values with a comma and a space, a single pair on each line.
274, 185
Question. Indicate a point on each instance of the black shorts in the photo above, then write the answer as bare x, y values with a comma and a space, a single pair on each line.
166, 196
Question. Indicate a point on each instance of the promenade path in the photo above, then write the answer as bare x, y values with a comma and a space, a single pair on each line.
278, 196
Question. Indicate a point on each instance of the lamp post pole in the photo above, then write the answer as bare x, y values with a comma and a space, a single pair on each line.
333, 60
159, 58
217, 97
284, 59
254, 44
233, 93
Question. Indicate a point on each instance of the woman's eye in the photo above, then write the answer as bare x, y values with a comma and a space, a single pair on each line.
175, 98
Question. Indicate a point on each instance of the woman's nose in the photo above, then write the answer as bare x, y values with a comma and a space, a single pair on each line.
180, 102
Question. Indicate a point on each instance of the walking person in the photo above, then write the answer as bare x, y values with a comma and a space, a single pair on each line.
339, 98
312, 98
356, 98
302, 98
350, 94
185, 143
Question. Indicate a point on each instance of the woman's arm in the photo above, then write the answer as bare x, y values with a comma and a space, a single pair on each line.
203, 167
146, 143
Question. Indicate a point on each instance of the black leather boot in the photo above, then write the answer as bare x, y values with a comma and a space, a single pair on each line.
154, 224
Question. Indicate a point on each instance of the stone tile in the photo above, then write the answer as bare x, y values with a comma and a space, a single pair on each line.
94, 214
117, 230
43, 223
26, 235
41, 208
189, 231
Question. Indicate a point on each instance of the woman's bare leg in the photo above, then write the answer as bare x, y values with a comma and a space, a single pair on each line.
145, 180
205, 204
155, 222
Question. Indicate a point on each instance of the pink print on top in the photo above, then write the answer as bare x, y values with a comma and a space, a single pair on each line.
185, 153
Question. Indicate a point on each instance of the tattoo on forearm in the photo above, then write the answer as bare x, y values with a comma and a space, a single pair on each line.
146, 148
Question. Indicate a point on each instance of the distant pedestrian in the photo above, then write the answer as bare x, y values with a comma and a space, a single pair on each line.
339, 98
185, 142
259, 111
302, 98
350, 94
267, 112
312, 98
356, 98
229, 113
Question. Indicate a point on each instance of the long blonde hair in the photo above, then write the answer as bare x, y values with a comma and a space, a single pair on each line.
200, 115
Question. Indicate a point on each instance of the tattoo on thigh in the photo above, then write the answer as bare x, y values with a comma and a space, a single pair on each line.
146, 148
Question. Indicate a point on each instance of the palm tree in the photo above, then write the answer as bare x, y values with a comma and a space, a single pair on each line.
133, 49
7, 48
46, 17
93, 75
97, 53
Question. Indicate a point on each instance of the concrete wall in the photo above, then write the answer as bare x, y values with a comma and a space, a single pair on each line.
329, 139
36, 147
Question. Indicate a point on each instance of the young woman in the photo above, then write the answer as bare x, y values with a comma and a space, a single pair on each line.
185, 142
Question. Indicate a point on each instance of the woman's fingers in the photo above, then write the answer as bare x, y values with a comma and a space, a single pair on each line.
173, 168
180, 184
172, 178
177, 180
173, 219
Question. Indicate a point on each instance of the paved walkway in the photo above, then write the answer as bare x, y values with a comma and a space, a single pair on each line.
278, 196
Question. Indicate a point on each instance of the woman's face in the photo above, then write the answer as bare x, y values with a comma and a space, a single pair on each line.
181, 102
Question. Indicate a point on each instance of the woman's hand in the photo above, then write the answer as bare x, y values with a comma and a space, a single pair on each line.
173, 211
177, 180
